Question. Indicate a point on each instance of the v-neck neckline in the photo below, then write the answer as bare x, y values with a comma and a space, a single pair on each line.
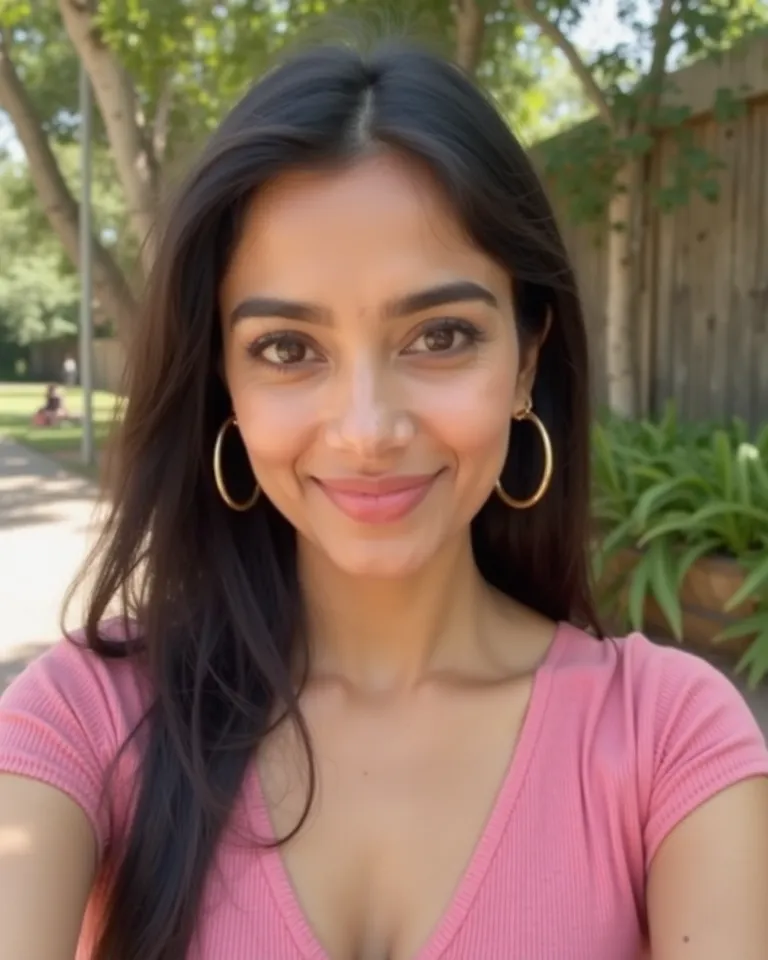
469, 882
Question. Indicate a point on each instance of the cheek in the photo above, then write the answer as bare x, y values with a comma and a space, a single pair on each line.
471, 414
276, 424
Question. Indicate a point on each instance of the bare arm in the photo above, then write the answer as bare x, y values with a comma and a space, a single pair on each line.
47, 866
708, 884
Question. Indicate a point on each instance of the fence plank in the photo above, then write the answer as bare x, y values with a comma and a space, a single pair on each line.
702, 331
759, 290
744, 257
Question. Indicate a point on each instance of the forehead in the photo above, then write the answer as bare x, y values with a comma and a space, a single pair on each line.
379, 226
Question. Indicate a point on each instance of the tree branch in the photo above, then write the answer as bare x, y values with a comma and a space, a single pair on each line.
662, 33
61, 209
470, 29
582, 72
118, 105
161, 121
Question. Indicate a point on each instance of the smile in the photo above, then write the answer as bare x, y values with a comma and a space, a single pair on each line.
377, 500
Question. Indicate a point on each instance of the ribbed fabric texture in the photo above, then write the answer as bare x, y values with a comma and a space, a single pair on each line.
622, 739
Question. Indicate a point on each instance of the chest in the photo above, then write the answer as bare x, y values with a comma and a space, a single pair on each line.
402, 806
543, 882
486, 832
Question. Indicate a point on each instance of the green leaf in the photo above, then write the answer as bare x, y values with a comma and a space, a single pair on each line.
727, 105
617, 539
676, 523
663, 583
655, 496
712, 510
761, 440
646, 471
636, 145
723, 456
745, 627
605, 455
688, 557
743, 473
753, 582
755, 660
638, 589
709, 188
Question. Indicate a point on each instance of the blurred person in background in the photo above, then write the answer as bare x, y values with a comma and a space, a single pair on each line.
69, 370
53, 411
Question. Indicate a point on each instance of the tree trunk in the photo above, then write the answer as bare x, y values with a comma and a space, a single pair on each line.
119, 108
470, 31
110, 286
624, 259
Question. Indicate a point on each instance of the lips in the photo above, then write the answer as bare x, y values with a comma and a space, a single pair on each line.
377, 499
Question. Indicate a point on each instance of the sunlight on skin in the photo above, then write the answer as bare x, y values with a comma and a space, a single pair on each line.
14, 841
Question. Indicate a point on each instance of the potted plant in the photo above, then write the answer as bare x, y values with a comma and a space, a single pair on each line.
682, 532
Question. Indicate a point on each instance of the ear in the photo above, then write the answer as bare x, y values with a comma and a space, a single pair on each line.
529, 362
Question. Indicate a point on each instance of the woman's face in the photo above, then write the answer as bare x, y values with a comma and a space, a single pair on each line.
371, 356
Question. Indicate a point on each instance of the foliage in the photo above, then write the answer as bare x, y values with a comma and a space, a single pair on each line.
583, 163
195, 58
533, 88
39, 288
677, 493
170, 69
45, 61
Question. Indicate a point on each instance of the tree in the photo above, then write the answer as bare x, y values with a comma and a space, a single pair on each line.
626, 84
38, 293
39, 289
163, 73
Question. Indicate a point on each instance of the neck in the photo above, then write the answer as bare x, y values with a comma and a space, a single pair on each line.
385, 635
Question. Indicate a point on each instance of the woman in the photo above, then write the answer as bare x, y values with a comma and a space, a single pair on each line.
351, 709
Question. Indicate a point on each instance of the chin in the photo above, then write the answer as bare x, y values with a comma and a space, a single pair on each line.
380, 560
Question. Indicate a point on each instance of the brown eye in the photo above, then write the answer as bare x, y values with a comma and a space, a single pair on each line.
290, 351
284, 351
439, 339
446, 336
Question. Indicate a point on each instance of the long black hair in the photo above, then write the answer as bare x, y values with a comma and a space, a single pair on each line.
214, 595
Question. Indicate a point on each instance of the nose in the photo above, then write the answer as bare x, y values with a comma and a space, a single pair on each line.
368, 419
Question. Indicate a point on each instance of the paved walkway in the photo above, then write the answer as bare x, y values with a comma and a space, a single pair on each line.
46, 527
47, 522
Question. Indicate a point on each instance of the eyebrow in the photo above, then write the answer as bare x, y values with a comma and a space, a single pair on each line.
461, 291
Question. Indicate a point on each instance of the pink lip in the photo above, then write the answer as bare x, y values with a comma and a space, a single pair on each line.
377, 499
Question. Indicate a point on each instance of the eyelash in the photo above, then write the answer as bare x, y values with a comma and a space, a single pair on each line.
472, 335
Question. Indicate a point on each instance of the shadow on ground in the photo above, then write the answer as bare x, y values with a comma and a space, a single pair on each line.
33, 490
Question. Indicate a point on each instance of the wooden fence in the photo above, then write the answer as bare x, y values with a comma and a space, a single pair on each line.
702, 337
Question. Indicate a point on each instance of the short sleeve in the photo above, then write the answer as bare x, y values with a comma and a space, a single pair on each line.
56, 727
704, 739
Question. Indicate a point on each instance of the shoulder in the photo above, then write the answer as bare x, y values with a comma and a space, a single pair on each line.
650, 675
70, 677
681, 723
64, 719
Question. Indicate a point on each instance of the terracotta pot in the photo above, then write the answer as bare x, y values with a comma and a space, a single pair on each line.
707, 587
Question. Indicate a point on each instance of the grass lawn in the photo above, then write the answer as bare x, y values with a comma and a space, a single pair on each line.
18, 403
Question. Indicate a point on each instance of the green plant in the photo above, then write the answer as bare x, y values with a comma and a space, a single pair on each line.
672, 493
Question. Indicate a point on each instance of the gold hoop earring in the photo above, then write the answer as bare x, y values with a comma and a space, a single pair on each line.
546, 479
218, 473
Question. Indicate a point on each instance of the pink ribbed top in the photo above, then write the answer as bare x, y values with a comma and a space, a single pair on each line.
622, 739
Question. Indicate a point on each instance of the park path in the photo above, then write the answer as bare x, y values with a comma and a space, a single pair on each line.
46, 526
47, 522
